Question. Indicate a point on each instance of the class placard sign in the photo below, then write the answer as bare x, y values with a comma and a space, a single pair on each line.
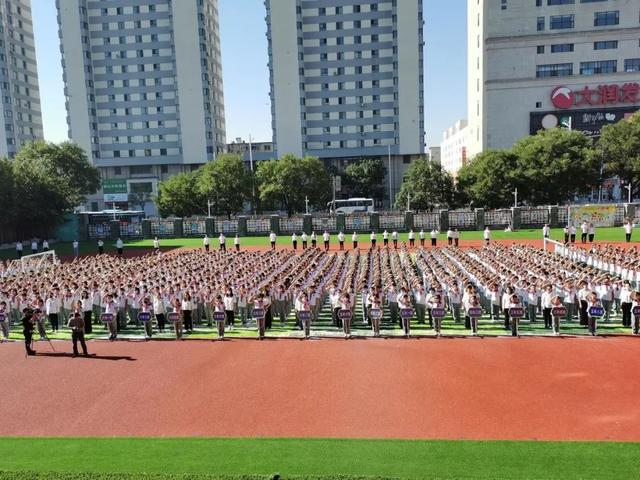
406, 313
304, 315
559, 311
257, 312
144, 317
475, 312
345, 314
438, 312
375, 313
173, 317
219, 316
516, 312
106, 317
636, 311
596, 311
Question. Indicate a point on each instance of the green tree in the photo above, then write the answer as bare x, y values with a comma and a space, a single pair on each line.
619, 150
554, 165
366, 178
490, 179
290, 179
428, 186
180, 196
67, 163
226, 182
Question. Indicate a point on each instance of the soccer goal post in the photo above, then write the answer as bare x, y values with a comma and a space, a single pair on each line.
38, 261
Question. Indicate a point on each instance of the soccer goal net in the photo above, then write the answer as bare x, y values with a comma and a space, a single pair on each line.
38, 261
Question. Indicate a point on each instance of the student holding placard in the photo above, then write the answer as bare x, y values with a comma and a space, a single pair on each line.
375, 312
176, 317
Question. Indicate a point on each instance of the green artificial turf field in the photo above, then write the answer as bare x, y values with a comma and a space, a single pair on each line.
612, 234
327, 458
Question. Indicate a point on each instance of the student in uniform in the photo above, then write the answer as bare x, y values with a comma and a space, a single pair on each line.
314, 240
120, 247
628, 230
19, 249
420, 300
34, 246
546, 231
100, 247
556, 301
473, 302
385, 239
572, 232
294, 241
436, 302
52, 305
404, 303
187, 308
514, 302
272, 240
412, 239
221, 320
375, 322
177, 325
547, 305
487, 235
456, 237
159, 309
532, 303
110, 307
325, 239
455, 302
303, 237
206, 242
565, 230
506, 301
345, 304
223, 242
394, 238
592, 301
626, 301
592, 232
45, 245
146, 307
4, 321
636, 319
236, 242
421, 236
373, 239
354, 240
260, 303
156, 245
584, 231
341, 240
434, 237
87, 311
583, 298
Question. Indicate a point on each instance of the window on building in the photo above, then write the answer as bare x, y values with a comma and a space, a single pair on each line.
562, 47
540, 49
554, 70
632, 65
560, 22
598, 67
602, 19
560, 2
540, 23
605, 45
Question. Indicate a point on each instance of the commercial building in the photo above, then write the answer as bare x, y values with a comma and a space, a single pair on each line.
346, 80
434, 154
260, 151
453, 149
18, 78
143, 87
539, 64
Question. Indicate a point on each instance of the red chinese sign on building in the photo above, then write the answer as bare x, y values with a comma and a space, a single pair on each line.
564, 97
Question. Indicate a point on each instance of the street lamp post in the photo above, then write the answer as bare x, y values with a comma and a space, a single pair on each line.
515, 194
630, 188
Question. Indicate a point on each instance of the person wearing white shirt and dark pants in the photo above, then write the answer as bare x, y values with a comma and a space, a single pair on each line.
626, 301
341, 240
272, 240
628, 228
223, 242
325, 239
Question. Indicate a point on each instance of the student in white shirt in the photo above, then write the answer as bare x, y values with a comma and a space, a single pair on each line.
626, 300
487, 235
394, 238
303, 237
236, 242
341, 240
546, 231
272, 240
354, 240
592, 232
314, 240
34, 246
412, 239
325, 239
52, 307
294, 241
546, 301
584, 231
385, 238
187, 306
206, 243
421, 235
119, 246
223, 242
156, 245
373, 239
628, 229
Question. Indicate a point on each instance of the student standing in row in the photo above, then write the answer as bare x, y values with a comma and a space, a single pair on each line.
272, 240
421, 235
341, 240
385, 239
314, 240
354, 240
19, 249
325, 239
294, 241
373, 239
584, 231
412, 239
592, 232
394, 238
628, 229
236, 242
206, 243
223, 242
303, 237
434, 237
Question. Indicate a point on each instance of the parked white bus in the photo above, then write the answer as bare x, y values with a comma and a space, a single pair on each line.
351, 205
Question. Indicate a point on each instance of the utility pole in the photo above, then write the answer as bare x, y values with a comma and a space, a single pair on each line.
408, 201
306, 204
208, 207
515, 194
630, 188
253, 181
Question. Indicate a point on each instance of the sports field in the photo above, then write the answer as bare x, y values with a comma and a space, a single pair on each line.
612, 234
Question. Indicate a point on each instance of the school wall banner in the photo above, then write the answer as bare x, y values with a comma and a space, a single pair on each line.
599, 215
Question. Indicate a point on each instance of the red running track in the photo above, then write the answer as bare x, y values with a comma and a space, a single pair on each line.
501, 388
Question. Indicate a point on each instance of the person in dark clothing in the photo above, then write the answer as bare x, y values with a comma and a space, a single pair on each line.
27, 330
76, 324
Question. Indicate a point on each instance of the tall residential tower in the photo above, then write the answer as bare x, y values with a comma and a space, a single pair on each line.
143, 85
18, 78
537, 64
347, 79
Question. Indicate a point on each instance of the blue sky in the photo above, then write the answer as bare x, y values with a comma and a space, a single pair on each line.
246, 76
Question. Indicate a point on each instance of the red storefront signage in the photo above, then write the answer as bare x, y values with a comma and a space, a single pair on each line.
564, 97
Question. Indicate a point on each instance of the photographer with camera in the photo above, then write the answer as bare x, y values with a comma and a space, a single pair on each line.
27, 330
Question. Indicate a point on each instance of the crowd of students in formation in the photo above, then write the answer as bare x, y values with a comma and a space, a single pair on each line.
178, 291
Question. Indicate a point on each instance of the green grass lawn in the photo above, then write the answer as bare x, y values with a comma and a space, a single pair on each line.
613, 234
325, 457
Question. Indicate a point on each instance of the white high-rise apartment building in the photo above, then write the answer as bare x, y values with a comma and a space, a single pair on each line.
347, 79
22, 117
453, 148
537, 64
143, 84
